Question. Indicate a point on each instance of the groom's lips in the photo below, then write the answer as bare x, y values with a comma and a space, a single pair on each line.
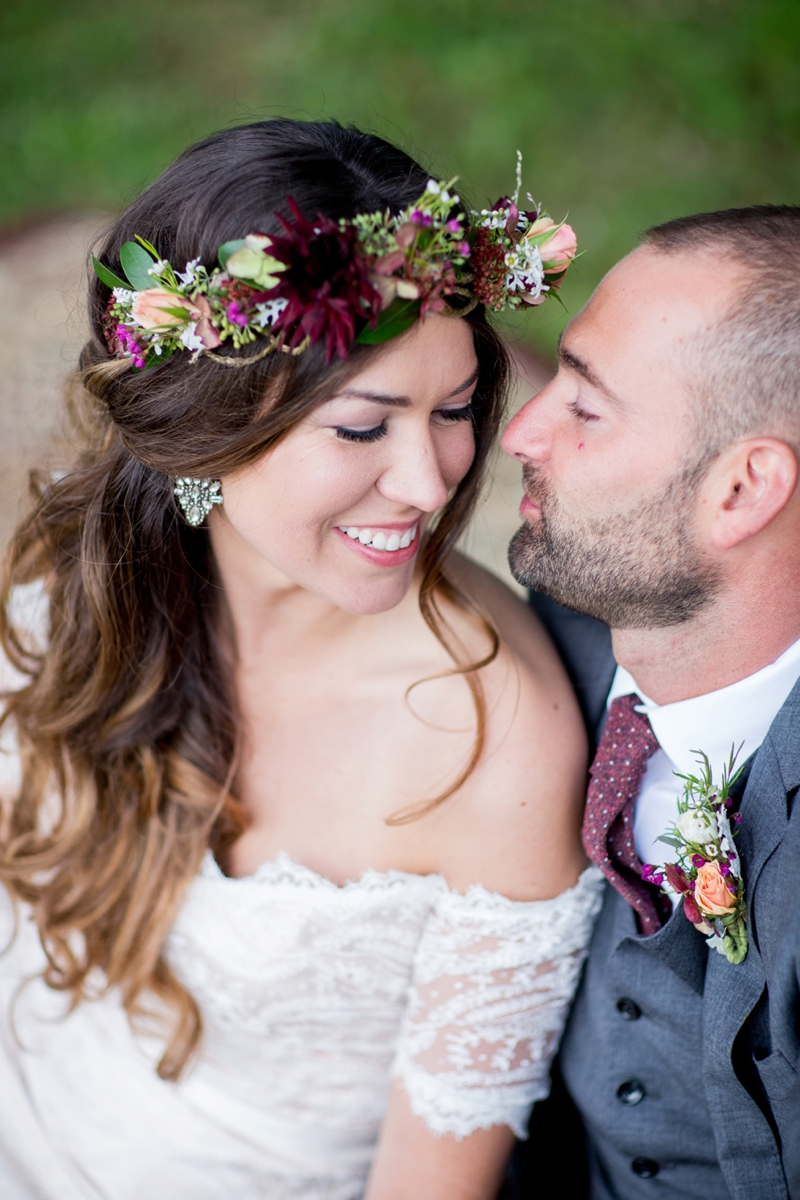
528, 509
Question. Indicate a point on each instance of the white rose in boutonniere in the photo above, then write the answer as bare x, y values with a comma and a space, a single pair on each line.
693, 826
708, 873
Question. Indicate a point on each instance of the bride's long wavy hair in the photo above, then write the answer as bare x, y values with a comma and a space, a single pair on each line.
127, 726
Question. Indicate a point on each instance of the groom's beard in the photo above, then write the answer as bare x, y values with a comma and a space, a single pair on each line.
639, 569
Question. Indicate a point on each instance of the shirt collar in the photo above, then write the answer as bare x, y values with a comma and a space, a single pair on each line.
741, 712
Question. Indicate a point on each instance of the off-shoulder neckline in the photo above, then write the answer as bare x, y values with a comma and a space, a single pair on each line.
285, 869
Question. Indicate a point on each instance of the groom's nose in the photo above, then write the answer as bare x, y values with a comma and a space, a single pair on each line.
527, 435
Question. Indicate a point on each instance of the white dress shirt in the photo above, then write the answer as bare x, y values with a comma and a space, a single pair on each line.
742, 712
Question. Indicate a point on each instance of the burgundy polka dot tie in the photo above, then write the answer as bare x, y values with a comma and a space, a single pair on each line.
617, 771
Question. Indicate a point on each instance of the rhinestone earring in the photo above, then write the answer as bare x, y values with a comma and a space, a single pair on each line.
197, 497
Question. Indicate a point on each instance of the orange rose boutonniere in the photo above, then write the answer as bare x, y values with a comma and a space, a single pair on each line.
708, 873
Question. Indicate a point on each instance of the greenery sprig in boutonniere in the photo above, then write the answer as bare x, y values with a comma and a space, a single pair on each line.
708, 873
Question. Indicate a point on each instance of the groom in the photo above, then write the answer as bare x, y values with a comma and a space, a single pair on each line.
660, 469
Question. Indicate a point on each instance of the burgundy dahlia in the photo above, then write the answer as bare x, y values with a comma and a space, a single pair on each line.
326, 283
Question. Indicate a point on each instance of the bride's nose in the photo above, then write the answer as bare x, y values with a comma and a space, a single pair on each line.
414, 475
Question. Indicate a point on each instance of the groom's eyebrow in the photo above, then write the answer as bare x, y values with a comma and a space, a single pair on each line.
567, 358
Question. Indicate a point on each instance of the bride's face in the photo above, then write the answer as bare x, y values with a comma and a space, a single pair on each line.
338, 507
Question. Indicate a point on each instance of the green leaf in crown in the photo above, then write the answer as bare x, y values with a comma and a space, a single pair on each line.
394, 320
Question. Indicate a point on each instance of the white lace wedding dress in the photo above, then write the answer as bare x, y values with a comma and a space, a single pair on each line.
313, 996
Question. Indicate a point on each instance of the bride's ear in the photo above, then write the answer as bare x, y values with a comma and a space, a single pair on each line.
750, 485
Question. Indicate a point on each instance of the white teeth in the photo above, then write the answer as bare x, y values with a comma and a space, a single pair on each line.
380, 540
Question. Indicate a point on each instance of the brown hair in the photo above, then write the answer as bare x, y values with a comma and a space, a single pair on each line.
128, 718
745, 370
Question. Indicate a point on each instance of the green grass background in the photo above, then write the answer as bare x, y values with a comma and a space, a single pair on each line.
627, 112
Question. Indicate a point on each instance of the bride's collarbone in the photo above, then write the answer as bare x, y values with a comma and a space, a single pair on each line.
335, 749
322, 779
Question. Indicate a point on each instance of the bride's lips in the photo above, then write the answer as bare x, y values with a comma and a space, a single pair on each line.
528, 509
385, 558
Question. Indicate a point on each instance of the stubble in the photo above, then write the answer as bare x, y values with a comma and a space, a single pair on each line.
634, 569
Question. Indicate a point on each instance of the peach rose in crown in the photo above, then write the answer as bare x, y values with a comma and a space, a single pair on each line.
711, 892
149, 310
562, 247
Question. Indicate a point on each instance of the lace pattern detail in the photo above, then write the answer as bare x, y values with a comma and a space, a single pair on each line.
303, 986
492, 982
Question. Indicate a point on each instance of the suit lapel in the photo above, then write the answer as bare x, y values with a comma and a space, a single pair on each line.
745, 1142
732, 991
764, 808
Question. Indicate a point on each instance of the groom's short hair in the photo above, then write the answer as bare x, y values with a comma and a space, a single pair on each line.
745, 371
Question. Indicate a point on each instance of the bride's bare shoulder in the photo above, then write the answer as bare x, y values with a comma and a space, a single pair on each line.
519, 816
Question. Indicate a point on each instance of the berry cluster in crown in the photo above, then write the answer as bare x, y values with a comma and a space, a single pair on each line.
341, 282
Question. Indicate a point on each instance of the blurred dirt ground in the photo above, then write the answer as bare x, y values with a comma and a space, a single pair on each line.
42, 280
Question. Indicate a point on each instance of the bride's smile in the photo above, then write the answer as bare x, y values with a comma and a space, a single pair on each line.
380, 541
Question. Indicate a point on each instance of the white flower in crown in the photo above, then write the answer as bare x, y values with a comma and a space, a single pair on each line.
525, 270
190, 275
268, 311
190, 337
494, 218
124, 296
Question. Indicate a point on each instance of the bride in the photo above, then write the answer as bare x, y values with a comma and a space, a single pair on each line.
294, 898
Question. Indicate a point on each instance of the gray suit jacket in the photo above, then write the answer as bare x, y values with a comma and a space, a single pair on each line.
686, 1069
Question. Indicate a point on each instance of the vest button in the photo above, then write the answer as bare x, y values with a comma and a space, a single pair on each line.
644, 1167
631, 1092
628, 1009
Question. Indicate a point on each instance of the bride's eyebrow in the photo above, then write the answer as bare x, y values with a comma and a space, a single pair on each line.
467, 384
403, 401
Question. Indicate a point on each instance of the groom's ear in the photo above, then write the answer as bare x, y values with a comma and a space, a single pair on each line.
747, 487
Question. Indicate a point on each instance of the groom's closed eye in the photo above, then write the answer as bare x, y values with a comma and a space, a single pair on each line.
583, 414
573, 362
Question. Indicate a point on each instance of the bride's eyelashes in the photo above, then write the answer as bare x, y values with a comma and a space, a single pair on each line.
361, 435
375, 432
464, 413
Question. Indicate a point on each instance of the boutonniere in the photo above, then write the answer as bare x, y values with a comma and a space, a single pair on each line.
708, 873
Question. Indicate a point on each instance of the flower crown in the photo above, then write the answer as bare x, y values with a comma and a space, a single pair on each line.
362, 280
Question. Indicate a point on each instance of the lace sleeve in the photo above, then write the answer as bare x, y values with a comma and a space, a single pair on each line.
493, 979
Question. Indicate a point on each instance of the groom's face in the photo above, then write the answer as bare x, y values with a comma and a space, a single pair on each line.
612, 462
